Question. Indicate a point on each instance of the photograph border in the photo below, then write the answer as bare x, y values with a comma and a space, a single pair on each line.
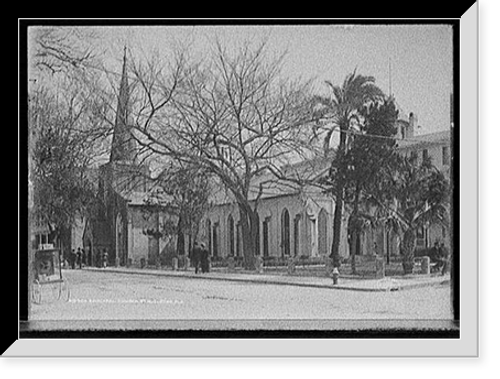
266, 330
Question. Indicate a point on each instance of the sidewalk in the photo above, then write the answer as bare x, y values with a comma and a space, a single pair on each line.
344, 283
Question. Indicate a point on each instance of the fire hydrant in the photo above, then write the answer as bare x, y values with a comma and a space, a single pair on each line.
335, 275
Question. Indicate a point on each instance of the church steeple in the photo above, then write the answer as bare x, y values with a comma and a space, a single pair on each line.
123, 145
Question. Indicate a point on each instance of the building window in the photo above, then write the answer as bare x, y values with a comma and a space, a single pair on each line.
215, 240
422, 237
285, 233
296, 235
425, 155
230, 226
265, 236
257, 236
209, 235
238, 239
322, 233
446, 156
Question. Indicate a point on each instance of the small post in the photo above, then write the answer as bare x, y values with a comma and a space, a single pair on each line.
328, 266
291, 265
175, 263
230, 263
259, 264
379, 267
426, 265
335, 275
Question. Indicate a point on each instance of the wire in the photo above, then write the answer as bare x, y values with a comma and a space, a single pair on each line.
411, 139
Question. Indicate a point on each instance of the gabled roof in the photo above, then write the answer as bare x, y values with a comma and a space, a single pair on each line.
294, 179
152, 195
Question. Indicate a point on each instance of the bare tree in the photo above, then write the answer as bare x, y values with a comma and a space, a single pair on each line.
184, 191
61, 49
58, 163
232, 115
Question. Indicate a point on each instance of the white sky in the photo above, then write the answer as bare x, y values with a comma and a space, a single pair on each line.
420, 56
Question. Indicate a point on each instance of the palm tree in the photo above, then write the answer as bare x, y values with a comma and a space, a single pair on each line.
420, 196
342, 111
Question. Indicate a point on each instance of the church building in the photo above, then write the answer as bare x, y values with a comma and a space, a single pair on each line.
123, 222
297, 220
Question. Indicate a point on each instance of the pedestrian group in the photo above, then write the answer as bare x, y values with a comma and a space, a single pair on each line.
78, 258
440, 253
200, 258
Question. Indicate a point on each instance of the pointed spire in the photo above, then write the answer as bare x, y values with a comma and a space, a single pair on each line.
123, 145
124, 68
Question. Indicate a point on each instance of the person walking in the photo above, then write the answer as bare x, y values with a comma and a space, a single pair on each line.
79, 258
435, 256
84, 257
196, 257
72, 259
105, 258
205, 259
444, 258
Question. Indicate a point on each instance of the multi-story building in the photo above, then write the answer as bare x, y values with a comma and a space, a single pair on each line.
436, 147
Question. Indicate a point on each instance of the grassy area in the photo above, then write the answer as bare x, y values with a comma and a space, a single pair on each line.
364, 269
315, 267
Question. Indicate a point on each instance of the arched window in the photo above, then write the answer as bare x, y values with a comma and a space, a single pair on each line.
209, 235
296, 235
215, 240
322, 233
265, 236
239, 244
230, 233
285, 233
120, 251
257, 235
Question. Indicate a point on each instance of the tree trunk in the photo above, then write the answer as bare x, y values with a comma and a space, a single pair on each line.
408, 250
249, 225
180, 237
337, 227
352, 251
339, 198
154, 242
354, 231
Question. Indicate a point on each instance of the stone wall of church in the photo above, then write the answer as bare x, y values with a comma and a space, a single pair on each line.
295, 225
140, 245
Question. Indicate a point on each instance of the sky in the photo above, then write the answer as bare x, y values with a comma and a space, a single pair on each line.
413, 62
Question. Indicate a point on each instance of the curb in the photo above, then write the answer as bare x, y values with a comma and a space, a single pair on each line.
400, 287
229, 279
